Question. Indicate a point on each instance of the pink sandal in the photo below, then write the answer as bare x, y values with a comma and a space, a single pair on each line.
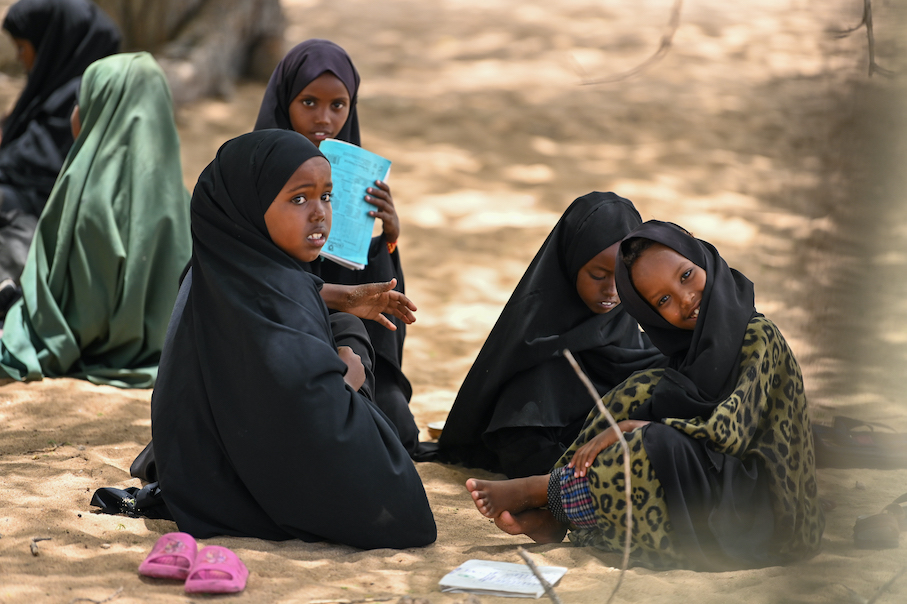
171, 557
216, 570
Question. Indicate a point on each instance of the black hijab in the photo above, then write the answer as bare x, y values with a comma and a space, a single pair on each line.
68, 36
705, 360
543, 316
255, 432
304, 63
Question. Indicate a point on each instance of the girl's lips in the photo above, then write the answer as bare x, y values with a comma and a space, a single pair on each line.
694, 315
321, 135
316, 239
608, 303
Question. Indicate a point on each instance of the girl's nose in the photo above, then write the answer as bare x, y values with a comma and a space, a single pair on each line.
688, 300
322, 117
318, 213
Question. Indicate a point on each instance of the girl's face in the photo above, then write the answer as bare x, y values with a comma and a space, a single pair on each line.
299, 218
595, 281
25, 52
321, 109
671, 283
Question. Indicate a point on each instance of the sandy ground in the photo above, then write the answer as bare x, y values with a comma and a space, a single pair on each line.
759, 131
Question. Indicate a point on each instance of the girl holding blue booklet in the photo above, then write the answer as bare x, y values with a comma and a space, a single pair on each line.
313, 91
250, 424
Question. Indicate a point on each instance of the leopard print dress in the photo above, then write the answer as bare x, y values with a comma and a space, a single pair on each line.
766, 416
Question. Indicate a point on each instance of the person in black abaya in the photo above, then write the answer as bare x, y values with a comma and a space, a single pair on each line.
521, 404
57, 40
258, 430
314, 91
720, 455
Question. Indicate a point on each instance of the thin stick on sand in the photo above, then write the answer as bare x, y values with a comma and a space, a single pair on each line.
626, 450
361, 601
886, 586
107, 599
33, 546
549, 589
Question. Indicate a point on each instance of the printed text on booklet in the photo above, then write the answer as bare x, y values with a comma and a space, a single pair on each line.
353, 170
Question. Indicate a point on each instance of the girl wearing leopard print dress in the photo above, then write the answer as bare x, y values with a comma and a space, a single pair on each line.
722, 461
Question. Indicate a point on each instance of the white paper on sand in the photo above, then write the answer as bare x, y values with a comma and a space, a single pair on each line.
499, 579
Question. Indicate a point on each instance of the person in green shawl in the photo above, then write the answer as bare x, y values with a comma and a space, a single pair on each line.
102, 271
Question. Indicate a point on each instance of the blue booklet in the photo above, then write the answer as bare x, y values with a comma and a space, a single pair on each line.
353, 170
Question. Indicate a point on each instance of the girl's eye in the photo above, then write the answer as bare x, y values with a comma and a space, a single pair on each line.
662, 301
299, 200
308, 102
326, 198
686, 275
339, 104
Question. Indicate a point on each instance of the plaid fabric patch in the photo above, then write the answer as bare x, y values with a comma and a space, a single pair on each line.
576, 499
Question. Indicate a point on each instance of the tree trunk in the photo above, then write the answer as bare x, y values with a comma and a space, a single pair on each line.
203, 45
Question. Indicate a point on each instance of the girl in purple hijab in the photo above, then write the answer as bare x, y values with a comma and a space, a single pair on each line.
314, 91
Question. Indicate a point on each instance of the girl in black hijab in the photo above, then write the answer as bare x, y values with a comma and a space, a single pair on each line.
314, 91
57, 40
258, 429
722, 463
521, 404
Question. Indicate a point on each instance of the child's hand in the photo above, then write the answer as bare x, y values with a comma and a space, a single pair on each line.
369, 301
586, 454
380, 197
355, 372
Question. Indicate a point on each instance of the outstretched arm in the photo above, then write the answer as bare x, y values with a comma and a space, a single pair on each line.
369, 301
586, 454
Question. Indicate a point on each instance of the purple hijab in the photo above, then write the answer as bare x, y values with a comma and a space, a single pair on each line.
304, 63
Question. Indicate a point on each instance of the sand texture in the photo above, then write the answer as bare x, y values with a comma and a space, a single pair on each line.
759, 131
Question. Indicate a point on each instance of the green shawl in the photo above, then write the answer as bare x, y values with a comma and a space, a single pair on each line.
102, 270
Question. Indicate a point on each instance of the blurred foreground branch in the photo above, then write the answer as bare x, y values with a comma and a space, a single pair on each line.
626, 451
549, 589
664, 46
866, 21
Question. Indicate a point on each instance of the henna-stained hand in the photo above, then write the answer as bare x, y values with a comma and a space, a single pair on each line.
374, 300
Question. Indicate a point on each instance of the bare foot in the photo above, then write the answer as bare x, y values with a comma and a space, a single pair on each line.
538, 525
495, 496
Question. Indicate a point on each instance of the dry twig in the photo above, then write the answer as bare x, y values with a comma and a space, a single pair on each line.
664, 46
361, 601
33, 546
107, 599
866, 21
626, 450
549, 589
886, 586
